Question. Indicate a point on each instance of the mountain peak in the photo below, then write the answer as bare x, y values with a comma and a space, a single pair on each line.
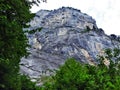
66, 33
65, 16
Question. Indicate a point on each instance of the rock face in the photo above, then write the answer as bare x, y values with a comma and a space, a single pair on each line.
66, 33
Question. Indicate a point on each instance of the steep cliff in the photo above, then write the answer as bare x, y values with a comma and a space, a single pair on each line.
66, 33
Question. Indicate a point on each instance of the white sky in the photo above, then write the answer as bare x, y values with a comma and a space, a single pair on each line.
105, 12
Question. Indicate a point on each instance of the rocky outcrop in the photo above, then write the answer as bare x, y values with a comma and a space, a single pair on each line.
66, 33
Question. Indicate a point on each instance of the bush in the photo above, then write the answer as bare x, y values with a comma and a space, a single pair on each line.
76, 76
27, 84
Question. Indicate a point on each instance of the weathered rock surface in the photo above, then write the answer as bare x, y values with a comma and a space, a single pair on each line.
66, 33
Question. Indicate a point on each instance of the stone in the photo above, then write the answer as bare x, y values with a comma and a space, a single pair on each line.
64, 35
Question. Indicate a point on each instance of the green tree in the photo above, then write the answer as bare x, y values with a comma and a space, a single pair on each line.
14, 14
76, 76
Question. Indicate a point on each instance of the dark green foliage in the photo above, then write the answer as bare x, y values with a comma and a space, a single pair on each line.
87, 29
33, 31
8, 75
14, 14
76, 76
10, 79
26, 84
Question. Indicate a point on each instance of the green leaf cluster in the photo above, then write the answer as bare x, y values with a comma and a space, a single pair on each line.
14, 14
86, 30
33, 31
76, 76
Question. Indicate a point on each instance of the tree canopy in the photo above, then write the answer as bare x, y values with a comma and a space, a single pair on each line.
14, 14
76, 76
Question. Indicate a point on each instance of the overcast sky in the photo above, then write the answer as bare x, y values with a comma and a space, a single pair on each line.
105, 12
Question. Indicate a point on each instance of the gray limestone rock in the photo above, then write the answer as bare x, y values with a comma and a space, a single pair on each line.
67, 33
